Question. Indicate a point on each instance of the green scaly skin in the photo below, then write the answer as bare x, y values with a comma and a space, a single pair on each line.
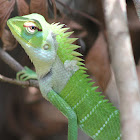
62, 79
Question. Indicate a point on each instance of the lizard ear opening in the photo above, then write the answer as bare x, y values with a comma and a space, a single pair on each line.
51, 40
46, 46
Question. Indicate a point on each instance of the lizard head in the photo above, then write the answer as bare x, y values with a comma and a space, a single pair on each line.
35, 36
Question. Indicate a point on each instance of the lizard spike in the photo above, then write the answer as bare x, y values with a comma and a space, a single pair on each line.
88, 79
80, 64
74, 53
53, 23
64, 29
74, 47
56, 24
78, 59
67, 34
60, 26
83, 68
94, 88
81, 71
71, 40
109, 104
99, 93
91, 83
85, 76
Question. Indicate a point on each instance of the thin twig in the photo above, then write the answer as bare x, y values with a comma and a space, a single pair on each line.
10, 61
81, 13
16, 67
16, 82
124, 67
137, 5
54, 9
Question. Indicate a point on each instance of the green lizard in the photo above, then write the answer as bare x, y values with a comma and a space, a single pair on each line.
62, 78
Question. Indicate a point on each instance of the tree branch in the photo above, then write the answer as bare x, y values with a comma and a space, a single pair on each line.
16, 67
10, 61
80, 13
124, 67
33, 83
137, 6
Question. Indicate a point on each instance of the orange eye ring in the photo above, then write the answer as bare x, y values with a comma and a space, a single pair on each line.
31, 27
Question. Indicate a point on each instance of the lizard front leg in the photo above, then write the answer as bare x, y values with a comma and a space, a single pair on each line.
61, 105
26, 74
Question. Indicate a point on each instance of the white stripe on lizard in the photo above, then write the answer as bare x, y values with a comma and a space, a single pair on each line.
106, 122
81, 100
90, 113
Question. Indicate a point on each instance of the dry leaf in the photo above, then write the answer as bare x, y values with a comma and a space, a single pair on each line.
23, 7
9, 42
6, 7
40, 7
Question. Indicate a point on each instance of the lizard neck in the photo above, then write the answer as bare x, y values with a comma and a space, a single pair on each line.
42, 69
60, 75
42, 61
56, 79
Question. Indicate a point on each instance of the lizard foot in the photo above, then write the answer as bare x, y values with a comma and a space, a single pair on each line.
26, 74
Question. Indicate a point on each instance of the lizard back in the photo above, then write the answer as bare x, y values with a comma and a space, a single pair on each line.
96, 117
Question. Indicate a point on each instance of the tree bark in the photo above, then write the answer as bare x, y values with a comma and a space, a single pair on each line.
124, 67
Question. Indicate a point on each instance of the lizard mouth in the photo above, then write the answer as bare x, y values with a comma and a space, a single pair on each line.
16, 34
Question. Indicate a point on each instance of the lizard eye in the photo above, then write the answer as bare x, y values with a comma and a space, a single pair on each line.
46, 46
31, 27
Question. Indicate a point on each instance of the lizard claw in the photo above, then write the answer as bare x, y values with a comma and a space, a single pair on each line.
26, 74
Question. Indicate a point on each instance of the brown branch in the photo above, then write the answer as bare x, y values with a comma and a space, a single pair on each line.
54, 9
10, 61
80, 13
32, 83
124, 67
137, 6
16, 67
